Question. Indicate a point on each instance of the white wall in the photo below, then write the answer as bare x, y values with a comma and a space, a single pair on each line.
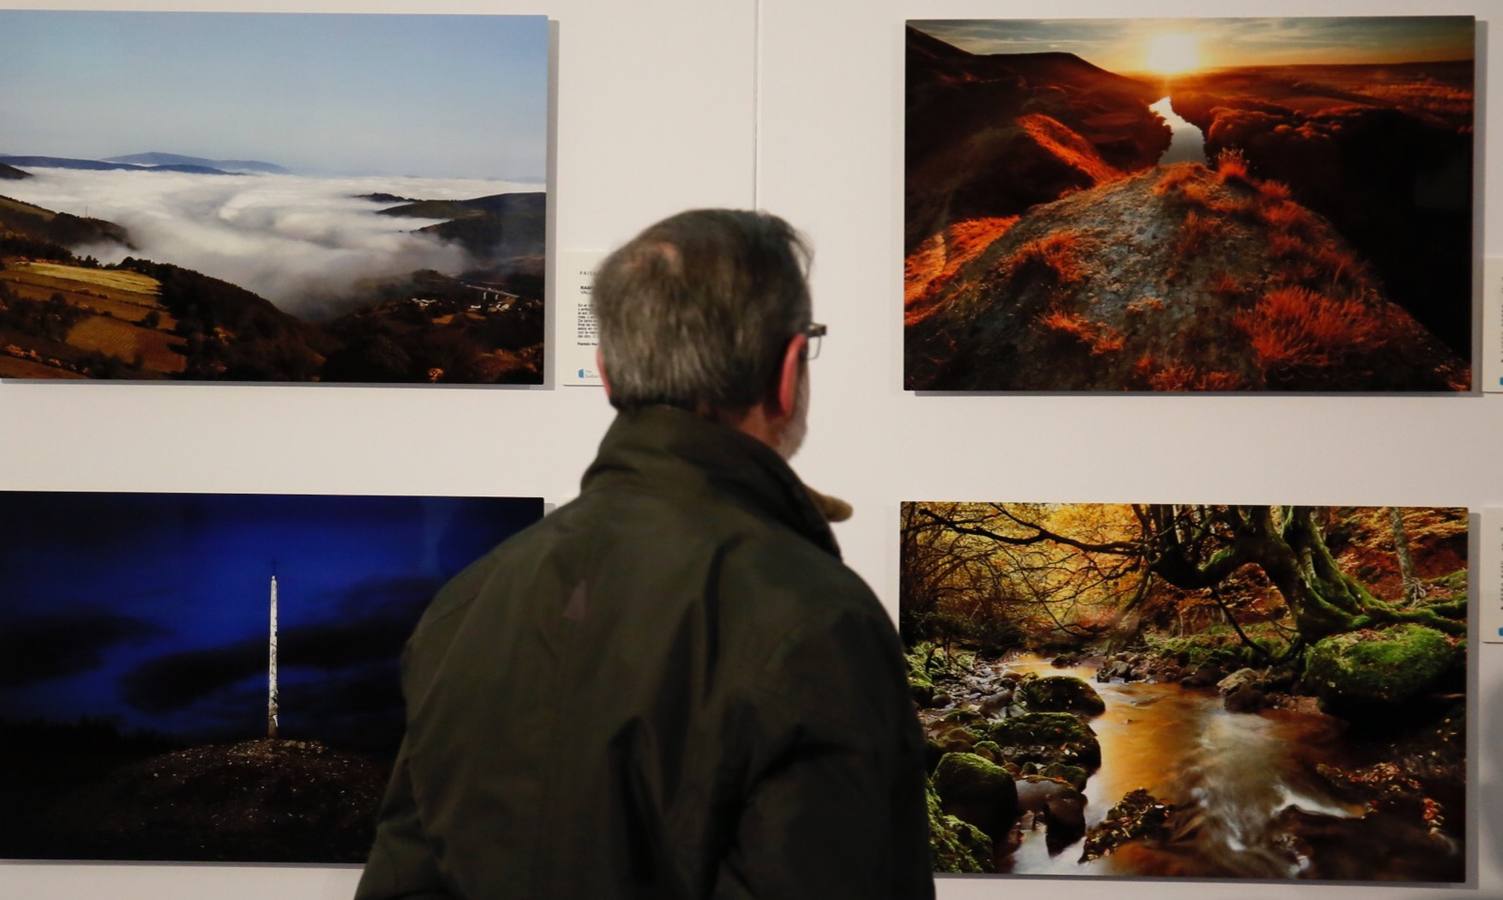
660, 106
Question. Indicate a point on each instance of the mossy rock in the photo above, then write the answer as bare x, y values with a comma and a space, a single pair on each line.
955, 738
956, 845
1074, 776
976, 790
920, 685
922, 692
1061, 693
960, 715
1360, 670
989, 750
1047, 737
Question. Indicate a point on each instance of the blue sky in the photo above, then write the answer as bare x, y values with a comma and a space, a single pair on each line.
151, 609
1119, 44
427, 95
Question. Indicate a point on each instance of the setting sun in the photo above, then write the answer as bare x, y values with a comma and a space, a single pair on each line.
1172, 54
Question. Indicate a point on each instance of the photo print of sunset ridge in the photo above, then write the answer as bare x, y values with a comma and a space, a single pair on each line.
268, 197
1189, 205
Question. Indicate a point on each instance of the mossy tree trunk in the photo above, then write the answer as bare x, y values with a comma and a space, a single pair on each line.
1286, 543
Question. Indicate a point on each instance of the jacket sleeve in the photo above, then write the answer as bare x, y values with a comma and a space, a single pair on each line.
835, 802
401, 864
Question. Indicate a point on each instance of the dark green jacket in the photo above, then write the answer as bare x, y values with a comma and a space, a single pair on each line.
669, 688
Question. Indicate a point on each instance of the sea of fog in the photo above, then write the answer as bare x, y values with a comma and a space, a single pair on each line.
300, 241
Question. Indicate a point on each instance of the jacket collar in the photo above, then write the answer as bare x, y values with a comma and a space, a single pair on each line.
672, 451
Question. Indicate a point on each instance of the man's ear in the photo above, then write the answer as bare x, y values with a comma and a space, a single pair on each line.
788, 377
600, 367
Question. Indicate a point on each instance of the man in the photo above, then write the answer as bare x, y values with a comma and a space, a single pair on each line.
670, 687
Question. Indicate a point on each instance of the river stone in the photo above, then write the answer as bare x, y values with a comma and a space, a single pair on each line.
1240, 679
1061, 693
1060, 806
977, 790
993, 705
1140, 816
1359, 670
1047, 737
956, 845
1074, 776
1205, 675
954, 738
1246, 699
989, 750
962, 716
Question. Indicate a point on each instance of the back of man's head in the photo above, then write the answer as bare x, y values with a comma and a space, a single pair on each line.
696, 311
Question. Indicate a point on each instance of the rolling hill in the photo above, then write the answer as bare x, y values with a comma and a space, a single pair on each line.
994, 135
492, 228
59, 228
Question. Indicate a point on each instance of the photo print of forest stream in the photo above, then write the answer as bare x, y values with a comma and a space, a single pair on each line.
1198, 204
1253, 692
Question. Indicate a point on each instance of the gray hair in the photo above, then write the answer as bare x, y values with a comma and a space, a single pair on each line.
695, 311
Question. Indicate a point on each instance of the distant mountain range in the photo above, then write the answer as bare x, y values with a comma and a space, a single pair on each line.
150, 162
160, 160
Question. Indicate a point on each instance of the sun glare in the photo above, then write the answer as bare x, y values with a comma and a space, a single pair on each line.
1172, 54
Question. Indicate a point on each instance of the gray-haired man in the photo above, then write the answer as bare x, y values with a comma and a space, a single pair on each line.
671, 687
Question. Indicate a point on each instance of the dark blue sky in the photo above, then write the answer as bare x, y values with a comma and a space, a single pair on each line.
151, 609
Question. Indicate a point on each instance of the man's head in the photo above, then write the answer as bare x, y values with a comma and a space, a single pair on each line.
707, 311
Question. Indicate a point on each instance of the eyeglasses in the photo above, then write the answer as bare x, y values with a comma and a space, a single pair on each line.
815, 332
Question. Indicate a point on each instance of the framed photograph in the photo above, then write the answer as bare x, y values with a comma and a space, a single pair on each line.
1198, 691
1254, 205
214, 677
273, 197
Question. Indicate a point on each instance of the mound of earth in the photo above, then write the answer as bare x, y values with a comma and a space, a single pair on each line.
1178, 278
256, 801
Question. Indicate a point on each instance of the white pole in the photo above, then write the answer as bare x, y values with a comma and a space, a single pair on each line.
271, 678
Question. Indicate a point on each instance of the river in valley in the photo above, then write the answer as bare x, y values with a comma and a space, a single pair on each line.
1187, 143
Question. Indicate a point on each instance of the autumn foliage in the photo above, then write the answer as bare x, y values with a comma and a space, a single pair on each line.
1295, 326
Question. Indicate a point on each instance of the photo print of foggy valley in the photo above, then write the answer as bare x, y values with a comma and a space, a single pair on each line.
273, 197
1189, 205
213, 677
1159, 690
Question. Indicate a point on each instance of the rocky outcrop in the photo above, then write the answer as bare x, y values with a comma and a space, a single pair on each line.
1177, 279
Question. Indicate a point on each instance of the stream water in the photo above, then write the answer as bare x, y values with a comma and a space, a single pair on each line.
1238, 770
1187, 143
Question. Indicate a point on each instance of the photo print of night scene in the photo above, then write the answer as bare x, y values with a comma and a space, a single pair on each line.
214, 677
1189, 205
